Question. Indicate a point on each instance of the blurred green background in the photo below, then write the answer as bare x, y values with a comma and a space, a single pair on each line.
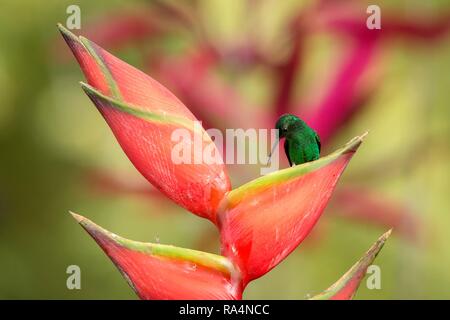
51, 137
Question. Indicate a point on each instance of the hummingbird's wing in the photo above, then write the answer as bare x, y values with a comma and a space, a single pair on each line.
286, 151
318, 141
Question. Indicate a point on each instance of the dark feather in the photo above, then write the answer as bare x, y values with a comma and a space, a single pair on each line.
318, 141
286, 150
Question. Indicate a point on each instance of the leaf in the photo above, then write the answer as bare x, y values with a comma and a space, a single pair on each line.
143, 115
157, 271
345, 288
262, 221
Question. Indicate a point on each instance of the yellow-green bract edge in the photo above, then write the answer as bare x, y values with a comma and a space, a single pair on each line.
201, 258
285, 175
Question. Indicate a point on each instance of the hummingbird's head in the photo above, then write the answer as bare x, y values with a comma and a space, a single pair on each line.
287, 122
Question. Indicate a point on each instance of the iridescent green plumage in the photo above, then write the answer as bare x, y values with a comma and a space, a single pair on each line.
302, 143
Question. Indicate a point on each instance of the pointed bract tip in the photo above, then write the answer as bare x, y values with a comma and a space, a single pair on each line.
67, 35
377, 246
87, 224
386, 235
345, 288
87, 88
77, 217
92, 93
354, 144
98, 233
364, 135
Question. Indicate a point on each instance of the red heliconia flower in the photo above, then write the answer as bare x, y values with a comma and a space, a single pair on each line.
193, 76
260, 222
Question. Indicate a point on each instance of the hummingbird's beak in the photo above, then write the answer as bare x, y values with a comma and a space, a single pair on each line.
273, 150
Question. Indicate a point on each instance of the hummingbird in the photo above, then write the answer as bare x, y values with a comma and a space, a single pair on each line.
302, 144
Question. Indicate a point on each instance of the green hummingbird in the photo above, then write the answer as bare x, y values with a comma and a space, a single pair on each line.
302, 144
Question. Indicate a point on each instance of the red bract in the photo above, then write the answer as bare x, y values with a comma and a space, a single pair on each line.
143, 115
260, 222
345, 288
264, 220
157, 271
